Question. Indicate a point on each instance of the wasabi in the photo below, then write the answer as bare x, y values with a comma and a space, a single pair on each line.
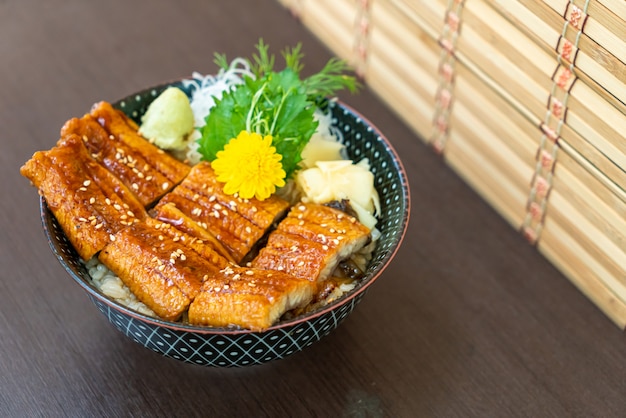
169, 120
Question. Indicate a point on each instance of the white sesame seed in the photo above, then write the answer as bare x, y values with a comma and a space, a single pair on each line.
165, 186
92, 200
112, 237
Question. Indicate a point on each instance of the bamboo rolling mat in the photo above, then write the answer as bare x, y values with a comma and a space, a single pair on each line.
525, 100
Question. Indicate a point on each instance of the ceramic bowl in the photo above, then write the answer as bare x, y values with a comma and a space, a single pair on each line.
235, 348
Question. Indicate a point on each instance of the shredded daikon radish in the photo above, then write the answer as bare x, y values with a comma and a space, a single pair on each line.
205, 89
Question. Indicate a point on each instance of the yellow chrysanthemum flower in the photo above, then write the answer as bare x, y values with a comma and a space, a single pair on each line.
250, 166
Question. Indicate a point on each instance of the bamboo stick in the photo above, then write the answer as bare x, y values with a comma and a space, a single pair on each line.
606, 71
470, 163
600, 151
617, 7
602, 26
547, 36
565, 254
606, 255
528, 93
332, 21
581, 194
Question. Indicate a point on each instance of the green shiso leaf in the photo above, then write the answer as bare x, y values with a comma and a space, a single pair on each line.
273, 103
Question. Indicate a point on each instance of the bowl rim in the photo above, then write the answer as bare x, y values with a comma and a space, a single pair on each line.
46, 217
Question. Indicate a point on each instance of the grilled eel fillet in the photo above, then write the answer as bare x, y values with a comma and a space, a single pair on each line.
248, 298
163, 267
144, 168
237, 223
311, 241
89, 203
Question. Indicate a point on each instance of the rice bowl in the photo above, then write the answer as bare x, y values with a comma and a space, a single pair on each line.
211, 346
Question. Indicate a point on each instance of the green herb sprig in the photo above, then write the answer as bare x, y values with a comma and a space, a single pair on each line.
280, 104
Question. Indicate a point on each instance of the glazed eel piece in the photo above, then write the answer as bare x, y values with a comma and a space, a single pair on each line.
114, 140
248, 298
311, 241
238, 224
90, 204
163, 267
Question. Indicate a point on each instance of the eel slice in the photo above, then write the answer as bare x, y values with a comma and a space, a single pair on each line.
160, 267
124, 161
311, 241
238, 224
248, 298
153, 172
89, 203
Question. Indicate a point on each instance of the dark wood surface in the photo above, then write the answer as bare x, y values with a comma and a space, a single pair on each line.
469, 320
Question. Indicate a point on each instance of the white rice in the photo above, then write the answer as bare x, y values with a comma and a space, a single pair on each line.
112, 286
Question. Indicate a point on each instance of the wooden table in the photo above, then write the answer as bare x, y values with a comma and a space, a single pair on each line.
469, 320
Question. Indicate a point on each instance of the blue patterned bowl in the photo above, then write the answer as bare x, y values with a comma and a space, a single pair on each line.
236, 348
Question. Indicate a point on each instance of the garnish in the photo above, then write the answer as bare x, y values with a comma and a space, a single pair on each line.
261, 171
276, 104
